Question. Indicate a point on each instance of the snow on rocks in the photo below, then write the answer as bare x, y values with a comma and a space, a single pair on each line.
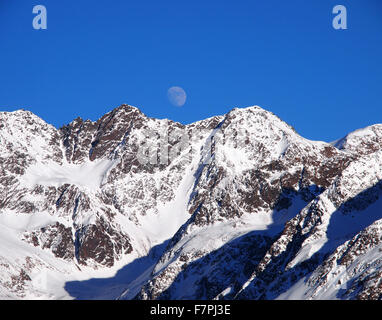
248, 207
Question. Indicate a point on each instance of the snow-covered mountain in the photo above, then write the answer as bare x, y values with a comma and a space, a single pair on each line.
237, 206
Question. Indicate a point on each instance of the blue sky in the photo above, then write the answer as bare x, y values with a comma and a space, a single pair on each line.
282, 55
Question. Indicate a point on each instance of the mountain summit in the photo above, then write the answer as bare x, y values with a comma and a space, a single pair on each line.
237, 206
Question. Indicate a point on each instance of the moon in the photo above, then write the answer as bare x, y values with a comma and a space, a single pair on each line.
177, 96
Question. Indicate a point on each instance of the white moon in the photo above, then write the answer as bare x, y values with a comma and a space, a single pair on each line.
177, 96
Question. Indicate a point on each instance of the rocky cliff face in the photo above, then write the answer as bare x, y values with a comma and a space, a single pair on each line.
249, 209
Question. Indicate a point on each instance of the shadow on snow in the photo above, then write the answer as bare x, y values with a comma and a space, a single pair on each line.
133, 275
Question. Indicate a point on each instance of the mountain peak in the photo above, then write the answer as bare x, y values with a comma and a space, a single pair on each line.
124, 109
261, 125
362, 141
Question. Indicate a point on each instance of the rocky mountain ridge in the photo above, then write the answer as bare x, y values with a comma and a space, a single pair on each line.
241, 205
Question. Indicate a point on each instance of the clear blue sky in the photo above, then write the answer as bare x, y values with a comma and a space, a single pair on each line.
282, 55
